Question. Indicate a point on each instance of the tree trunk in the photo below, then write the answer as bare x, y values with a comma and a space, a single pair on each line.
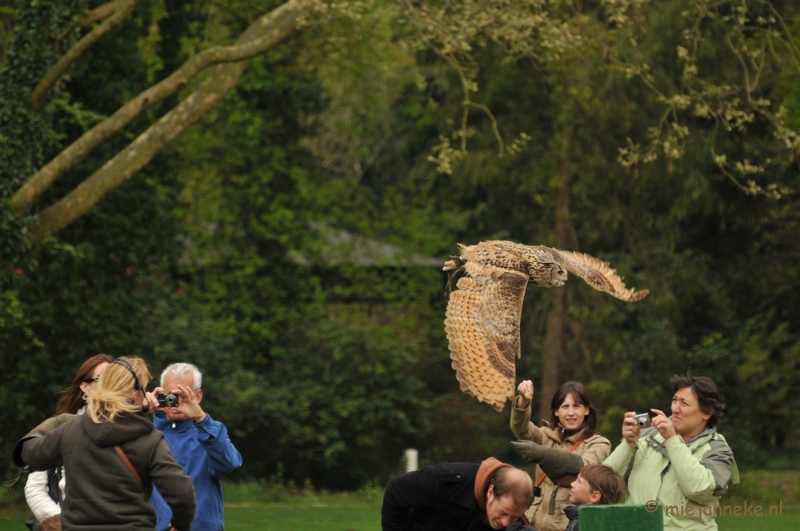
555, 335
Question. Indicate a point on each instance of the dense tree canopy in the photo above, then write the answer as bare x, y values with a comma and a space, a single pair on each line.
268, 189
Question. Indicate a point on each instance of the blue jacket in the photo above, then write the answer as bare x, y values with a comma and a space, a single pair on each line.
206, 454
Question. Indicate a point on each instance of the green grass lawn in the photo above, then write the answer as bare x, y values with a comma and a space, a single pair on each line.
316, 516
789, 519
298, 515
287, 516
252, 506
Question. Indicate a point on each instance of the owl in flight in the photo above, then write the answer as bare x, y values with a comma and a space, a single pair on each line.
483, 314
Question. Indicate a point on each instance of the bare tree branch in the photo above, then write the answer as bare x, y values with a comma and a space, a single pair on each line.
77, 51
78, 150
103, 11
495, 129
278, 24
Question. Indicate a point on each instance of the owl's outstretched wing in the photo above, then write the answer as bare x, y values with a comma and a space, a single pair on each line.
597, 274
482, 327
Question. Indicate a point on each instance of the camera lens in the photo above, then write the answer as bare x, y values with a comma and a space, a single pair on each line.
167, 399
170, 400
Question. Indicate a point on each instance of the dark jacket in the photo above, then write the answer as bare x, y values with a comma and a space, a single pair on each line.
435, 498
103, 493
572, 515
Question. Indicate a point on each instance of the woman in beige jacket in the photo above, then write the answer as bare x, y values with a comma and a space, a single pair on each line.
571, 429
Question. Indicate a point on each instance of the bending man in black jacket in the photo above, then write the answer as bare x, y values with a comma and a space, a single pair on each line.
458, 497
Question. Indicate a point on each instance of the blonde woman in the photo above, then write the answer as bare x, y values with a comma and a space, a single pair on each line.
104, 491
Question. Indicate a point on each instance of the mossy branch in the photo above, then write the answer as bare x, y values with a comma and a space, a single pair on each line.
78, 150
274, 27
103, 11
76, 52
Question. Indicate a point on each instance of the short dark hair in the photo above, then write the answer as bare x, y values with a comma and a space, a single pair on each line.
606, 481
709, 396
521, 492
581, 396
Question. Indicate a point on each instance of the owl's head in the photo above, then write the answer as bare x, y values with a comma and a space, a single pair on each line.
558, 275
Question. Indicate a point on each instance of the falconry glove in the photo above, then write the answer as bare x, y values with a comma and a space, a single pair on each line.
556, 463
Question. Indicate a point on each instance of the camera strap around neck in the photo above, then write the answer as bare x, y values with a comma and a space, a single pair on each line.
571, 449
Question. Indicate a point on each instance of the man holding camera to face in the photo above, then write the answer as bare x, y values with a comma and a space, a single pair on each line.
198, 443
680, 461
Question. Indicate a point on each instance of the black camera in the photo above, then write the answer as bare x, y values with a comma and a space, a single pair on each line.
642, 420
167, 399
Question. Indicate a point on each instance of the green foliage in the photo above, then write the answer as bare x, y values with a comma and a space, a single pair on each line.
334, 407
678, 218
92, 289
284, 243
26, 137
311, 392
770, 369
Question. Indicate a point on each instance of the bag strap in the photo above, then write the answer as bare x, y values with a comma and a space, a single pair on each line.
571, 449
130, 466
630, 467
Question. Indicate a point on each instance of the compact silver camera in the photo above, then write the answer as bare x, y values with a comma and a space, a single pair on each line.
642, 420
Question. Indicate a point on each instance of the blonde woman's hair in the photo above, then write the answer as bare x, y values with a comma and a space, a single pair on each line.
116, 389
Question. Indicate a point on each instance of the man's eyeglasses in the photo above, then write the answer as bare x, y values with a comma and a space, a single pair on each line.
90, 380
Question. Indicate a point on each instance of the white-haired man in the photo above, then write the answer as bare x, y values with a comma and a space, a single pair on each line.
199, 443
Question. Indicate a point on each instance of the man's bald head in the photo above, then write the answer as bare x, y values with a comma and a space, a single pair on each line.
515, 482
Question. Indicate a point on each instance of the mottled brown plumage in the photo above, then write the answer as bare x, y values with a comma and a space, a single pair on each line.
483, 314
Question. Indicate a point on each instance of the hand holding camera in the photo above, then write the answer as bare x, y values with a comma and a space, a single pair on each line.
630, 428
160, 399
178, 403
635, 422
663, 424
642, 420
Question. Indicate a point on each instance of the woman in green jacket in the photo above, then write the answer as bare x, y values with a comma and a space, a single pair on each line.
679, 462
